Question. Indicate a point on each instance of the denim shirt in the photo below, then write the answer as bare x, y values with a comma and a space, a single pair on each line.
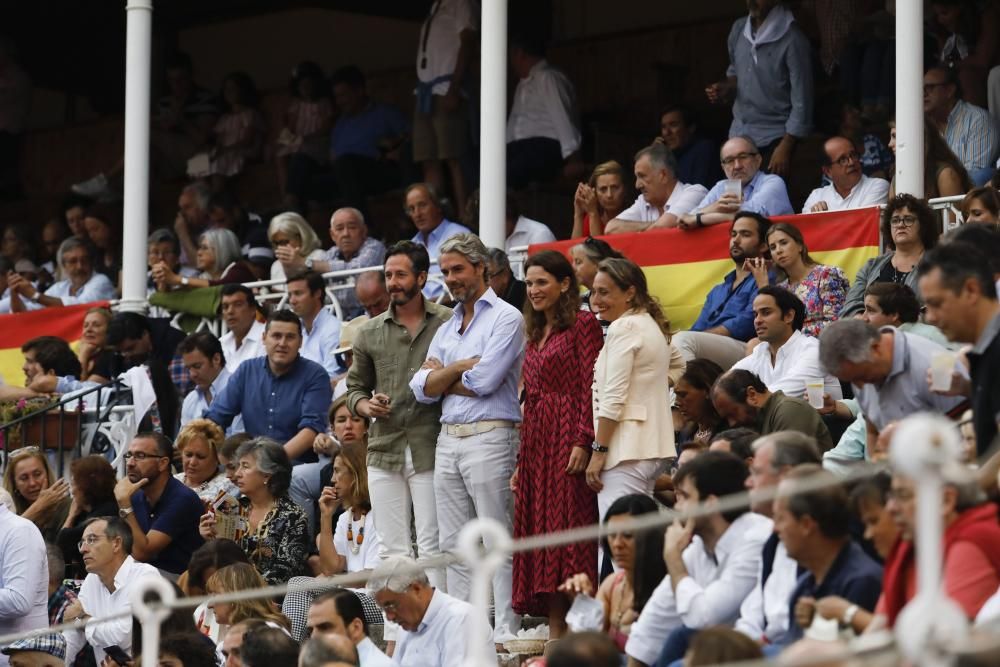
730, 308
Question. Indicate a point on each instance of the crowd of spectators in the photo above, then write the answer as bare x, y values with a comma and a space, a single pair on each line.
357, 427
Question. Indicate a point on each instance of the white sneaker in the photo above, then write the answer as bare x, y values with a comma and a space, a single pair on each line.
95, 188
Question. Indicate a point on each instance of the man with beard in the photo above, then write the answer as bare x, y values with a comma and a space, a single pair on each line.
388, 350
726, 321
472, 369
160, 511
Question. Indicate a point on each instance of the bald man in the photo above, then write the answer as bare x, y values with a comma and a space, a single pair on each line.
371, 293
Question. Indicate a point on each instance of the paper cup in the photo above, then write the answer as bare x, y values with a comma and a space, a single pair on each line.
814, 392
942, 367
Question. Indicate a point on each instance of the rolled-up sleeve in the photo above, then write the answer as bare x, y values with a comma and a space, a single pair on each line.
419, 378
503, 348
361, 374
316, 398
620, 349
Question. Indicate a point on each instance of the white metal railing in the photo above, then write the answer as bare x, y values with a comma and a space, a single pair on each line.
924, 448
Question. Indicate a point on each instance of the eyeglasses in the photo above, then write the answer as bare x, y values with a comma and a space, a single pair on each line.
89, 540
142, 456
279, 243
845, 160
742, 157
903, 221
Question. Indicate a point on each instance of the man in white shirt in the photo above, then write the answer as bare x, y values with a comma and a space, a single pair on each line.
849, 187
662, 198
82, 284
786, 359
712, 562
764, 612
543, 132
339, 612
111, 574
320, 328
436, 629
245, 338
423, 206
440, 121
24, 579
205, 363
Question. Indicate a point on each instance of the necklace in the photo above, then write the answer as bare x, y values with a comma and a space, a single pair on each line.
354, 544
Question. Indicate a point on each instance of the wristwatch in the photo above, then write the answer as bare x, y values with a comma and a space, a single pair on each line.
849, 614
697, 220
599, 449
185, 281
309, 264
125, 511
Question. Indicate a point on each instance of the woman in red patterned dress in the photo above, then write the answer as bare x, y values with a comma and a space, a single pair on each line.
550, 492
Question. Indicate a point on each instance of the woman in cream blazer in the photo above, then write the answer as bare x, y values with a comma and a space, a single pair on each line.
632, 420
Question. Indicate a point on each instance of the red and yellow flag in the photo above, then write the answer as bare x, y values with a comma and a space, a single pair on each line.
682, 266
18, 329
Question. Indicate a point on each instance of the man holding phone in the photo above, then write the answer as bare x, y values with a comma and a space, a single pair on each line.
388, 350
106, 547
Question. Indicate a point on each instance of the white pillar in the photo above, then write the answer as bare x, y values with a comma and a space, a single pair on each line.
493, 126
138, 42
910, 97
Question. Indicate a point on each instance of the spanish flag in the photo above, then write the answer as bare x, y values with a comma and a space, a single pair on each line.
17, 329
682, 266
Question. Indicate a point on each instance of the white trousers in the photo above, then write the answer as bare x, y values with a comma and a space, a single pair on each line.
393, 493
472, 480
625, 478
723, 350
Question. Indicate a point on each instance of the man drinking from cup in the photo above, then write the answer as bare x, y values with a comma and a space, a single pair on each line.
758, 192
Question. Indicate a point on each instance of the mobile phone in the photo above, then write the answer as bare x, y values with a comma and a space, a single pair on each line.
118, 654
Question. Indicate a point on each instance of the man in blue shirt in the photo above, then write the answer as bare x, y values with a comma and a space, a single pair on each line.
280, 395
473, 366
758, 192
423, 206
162, 513
320, 328
726, 322
813, 527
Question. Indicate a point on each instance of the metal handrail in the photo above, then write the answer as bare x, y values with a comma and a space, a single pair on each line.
102, 411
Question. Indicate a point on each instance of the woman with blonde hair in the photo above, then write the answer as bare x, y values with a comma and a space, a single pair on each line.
294, 241
92, 342
600, 200
198, 444
352, 545
38, 495
242, 577
633, 425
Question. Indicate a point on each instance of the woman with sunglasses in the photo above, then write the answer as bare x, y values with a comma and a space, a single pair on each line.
38, 495
272, 530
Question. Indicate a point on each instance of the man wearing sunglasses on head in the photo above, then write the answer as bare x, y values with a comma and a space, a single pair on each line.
161, 512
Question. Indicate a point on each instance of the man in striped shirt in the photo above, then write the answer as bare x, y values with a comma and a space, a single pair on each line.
969, 130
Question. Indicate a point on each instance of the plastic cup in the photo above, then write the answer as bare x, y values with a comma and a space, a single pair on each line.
733, 186
814, 392
942, 367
